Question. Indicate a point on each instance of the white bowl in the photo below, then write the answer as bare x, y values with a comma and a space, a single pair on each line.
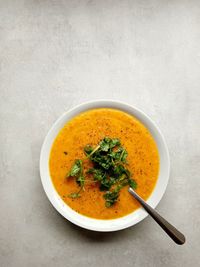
95, 224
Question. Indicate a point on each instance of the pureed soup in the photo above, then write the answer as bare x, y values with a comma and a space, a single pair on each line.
88, 128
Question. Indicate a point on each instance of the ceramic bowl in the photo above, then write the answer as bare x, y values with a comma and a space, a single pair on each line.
95, 224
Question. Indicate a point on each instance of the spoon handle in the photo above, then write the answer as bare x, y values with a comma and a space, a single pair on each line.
177, 236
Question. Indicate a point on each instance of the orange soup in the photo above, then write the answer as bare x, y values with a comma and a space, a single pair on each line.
89, 128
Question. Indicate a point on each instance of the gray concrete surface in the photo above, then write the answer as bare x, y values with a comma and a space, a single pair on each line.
56, 54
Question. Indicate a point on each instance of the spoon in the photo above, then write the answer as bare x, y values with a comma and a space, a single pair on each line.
177, 236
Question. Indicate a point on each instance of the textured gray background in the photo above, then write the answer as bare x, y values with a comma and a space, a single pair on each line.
56, 54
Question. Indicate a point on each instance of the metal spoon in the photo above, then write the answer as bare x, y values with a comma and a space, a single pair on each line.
177, 236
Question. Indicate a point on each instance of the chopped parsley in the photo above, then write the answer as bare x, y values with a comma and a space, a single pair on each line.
109, 158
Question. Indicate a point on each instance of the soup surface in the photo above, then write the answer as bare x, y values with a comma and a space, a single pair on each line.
89, 128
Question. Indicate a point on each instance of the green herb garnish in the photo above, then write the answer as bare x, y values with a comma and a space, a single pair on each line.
132, 183
112, 196
109, 171
77, 172
74, 195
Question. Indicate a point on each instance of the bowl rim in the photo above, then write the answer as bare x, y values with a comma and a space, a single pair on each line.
97, 224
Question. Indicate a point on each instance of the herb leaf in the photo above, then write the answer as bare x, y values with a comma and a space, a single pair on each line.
114, 142
74, 195
76, 168
123, 156
132, 183
77, 171
88, 150
99, 174
80, 180
108, 143
111, 197
105, 144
